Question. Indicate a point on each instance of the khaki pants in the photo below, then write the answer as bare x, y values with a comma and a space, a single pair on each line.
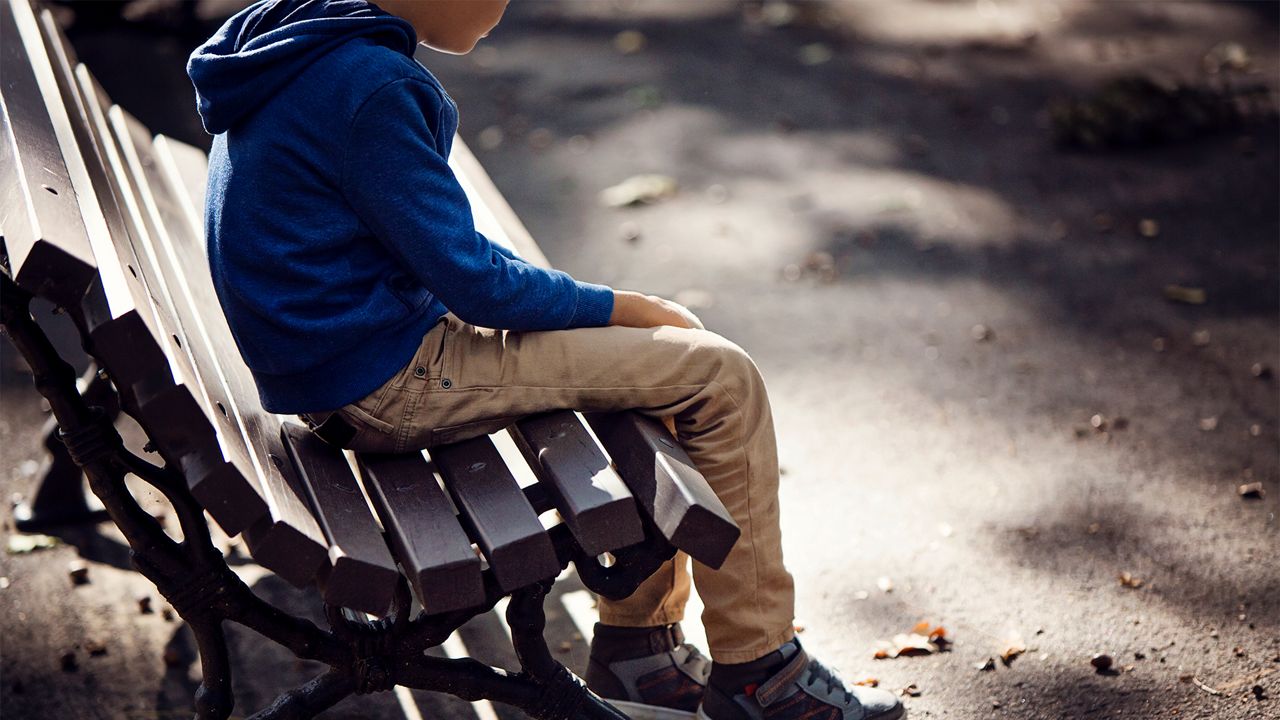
466, 381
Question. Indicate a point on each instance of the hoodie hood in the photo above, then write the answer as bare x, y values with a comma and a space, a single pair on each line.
261, 49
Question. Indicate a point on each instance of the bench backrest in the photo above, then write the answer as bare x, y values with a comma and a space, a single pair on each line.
108, 223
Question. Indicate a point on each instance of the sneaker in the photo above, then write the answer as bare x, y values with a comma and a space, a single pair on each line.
802, 688
647, 673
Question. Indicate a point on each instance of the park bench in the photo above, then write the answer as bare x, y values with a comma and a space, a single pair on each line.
102, 219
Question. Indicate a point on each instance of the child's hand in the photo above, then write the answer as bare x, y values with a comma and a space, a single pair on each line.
633, 309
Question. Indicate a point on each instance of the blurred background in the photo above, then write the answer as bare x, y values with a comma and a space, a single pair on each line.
1011, 271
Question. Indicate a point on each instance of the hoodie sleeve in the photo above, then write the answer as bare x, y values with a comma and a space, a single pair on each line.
405, 192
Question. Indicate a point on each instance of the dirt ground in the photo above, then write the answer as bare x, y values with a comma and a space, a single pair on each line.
989, 408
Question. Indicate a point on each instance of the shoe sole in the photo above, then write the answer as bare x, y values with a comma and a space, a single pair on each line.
900, 715
640, 711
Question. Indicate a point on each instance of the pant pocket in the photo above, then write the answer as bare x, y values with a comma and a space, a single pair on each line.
447, 434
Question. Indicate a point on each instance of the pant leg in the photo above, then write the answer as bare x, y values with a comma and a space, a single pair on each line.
659, 600
482, 379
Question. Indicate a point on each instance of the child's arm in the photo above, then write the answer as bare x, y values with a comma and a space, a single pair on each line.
403, 189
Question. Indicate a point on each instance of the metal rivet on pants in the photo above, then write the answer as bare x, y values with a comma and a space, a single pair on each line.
446, 384
420, 371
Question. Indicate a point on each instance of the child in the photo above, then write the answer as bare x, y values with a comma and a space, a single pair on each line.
362, 297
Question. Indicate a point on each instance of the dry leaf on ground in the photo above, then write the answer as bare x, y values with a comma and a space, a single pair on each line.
1184, 294
1252, 491
922, 640
1012, 647
639, 190
1129, 581
19, 544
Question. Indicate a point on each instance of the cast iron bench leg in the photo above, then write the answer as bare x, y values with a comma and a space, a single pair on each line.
60, 499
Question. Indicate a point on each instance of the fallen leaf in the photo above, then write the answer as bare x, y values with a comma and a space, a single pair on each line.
923, 639
778, 14
987, 666
1011, 648
815, 54
1184, 294
912, 690
629, 42
1129, 581
19, 544
868, 682
1252, 491
1227, 55
639, 190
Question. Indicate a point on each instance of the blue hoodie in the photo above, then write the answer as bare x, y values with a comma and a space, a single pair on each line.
337, 234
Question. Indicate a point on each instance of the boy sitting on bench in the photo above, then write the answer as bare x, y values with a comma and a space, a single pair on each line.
362, 298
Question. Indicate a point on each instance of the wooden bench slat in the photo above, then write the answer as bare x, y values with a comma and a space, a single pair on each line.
187, 170
361, 574
124, 332
667, 485
425, 536
492, 505
223, 493
289, 540
594, 502
45, 236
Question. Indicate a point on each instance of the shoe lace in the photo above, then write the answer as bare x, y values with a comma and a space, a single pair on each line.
820, 673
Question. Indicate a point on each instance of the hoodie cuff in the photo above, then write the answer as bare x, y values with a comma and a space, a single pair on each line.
595, 305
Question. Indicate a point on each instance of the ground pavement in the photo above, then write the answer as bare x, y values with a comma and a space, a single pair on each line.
991, 415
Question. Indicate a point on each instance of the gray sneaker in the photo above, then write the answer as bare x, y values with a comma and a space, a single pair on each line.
803, 688
662, 685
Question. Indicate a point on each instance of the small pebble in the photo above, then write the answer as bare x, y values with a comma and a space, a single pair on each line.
1260, 371
1200, 338
167, 614
1148, 228
78, 571
68, 662
144, 604
1158, 344
1101, 662
95, 648
980, 333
